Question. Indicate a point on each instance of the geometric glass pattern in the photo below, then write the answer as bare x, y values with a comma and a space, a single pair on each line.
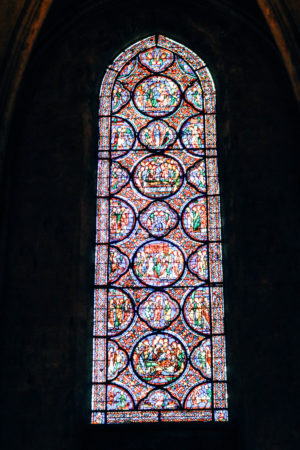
158, 337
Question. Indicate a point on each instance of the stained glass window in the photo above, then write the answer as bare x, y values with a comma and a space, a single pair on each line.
158, 345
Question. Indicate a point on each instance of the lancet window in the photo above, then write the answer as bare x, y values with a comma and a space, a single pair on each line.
158, 345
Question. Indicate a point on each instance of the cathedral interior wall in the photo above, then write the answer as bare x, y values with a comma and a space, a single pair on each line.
48, 229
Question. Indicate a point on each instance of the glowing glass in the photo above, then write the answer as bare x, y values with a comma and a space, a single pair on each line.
159, 347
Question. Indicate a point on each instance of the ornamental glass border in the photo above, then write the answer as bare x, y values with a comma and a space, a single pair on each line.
158, 333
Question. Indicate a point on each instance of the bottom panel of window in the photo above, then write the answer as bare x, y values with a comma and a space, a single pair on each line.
220, 415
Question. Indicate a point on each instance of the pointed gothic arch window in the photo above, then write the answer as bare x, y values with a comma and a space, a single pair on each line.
159, 347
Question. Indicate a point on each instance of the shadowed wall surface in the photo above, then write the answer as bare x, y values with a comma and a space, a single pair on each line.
48, 228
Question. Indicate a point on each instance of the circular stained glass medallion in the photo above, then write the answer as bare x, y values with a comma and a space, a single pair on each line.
159, 359
158, 176
157, 96
158, 263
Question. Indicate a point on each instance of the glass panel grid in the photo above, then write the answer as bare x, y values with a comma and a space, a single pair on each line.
159, 347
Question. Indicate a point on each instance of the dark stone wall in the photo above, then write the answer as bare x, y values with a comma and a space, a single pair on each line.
48, 228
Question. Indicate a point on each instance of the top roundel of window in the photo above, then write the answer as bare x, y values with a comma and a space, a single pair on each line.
157, 96
156, 59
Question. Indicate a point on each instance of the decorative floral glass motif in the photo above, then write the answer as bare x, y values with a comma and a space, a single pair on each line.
159, 347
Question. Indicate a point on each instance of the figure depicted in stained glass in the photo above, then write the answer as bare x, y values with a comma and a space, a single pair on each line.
159, 399
158, 176
122, 135
200, 397
159, 359
192, 134
158, 263
120, 311
157, 96
196, 176
116, 359
158, 218
122, 219
118, 264
157, 135
185, 67
196, 310
198, 262
158, 310
195, 219
120, 97
128, 69
194, 96
118, 398
201, 358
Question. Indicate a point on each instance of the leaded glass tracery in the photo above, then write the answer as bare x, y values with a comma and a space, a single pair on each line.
159, 347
